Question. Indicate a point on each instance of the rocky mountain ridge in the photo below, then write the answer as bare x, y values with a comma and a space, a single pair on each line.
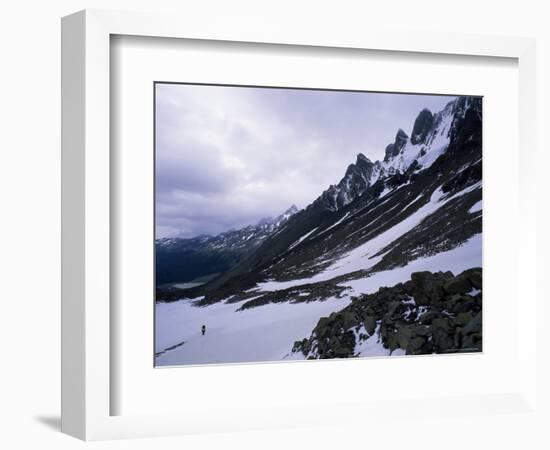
430, 138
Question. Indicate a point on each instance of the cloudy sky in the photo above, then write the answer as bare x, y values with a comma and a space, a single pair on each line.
229, 156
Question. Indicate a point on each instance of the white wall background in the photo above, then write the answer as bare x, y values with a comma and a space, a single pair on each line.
29, 226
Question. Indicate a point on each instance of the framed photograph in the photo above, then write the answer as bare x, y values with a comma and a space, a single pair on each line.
290, 213
382, 257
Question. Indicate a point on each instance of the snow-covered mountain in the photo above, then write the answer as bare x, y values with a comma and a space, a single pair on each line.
183, 260
430, 138
358, 178
417, 210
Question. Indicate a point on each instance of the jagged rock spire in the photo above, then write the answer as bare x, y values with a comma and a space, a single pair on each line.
422, 126
393, 149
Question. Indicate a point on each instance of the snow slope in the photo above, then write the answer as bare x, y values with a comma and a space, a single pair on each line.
456, 260
265, 333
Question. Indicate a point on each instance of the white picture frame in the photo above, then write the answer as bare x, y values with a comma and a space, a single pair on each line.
87, 324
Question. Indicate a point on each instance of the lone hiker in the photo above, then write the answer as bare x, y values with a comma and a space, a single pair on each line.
203, 329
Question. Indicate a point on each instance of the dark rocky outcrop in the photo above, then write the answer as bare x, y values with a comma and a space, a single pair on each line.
430, 313
357, 179
422, 127
392, 150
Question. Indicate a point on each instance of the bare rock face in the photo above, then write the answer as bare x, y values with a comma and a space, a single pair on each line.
422, 127
358, 178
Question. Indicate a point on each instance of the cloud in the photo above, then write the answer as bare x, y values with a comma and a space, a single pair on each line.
228, 156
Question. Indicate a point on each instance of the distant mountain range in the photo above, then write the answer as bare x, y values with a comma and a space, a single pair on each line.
180, 260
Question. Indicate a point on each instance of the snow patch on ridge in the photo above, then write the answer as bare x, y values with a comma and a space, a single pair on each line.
303, 238
337, 223
476, 207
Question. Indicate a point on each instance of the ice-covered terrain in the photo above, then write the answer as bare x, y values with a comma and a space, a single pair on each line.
257, 334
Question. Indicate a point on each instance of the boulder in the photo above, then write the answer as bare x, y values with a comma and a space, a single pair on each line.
464, 304
341, 352
322, 329
474, 325
404, 335
392, 342
348, 320
420, 330
421, 299
422, 280
370, 324
428, 318
473, 343
445, 343
443, 334
458, 285
415, 345
451, 302
408, 288
384, 332
392, 308
475, 277
441, 323
479, 301
463, 318
428, 287
458, 337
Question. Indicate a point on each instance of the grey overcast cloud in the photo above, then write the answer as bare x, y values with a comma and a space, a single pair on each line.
228, 156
